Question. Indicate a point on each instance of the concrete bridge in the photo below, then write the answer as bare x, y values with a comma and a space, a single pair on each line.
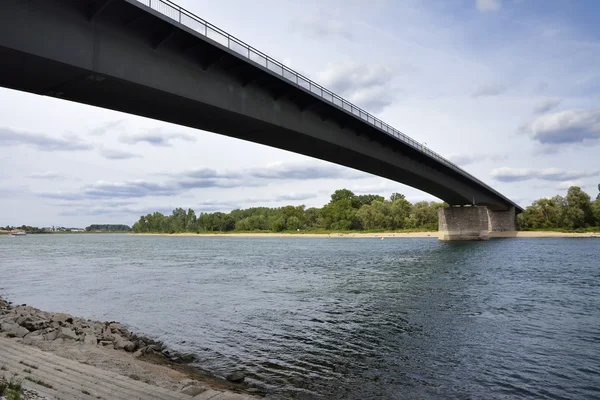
155, 59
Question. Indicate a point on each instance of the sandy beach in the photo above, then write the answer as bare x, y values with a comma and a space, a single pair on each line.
433, 235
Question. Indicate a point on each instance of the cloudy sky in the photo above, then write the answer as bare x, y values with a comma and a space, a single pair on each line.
508, 89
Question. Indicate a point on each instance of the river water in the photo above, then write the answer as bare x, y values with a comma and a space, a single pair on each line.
339, 318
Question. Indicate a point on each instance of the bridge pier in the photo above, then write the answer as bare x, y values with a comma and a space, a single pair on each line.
474, 222
502, 221
463, 223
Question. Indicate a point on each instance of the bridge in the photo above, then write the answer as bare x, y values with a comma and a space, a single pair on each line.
155, 59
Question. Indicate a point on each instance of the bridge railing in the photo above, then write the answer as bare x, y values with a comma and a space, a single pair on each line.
205, 28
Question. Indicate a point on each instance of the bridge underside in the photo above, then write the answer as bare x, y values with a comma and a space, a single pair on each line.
122, 56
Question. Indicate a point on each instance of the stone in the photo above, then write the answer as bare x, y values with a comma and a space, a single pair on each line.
34, 324
129, 347
119, 343
52, 335
60, 317
34, 334
66, 333
18, 331
187, 358
188, 382
194, 390
138, 353
90, 339
237, 377
114, 327
106, 342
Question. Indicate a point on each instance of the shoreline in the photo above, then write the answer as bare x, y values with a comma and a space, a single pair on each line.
111, 347
373, 235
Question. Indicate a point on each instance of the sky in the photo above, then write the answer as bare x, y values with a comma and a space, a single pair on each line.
507, 89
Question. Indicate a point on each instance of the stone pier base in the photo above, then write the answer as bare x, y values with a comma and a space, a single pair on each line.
463, 223
502, 221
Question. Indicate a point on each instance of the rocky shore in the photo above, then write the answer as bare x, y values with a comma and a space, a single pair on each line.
43, 329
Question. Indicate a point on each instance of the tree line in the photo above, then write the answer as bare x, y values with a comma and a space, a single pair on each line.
345, 211
574, 211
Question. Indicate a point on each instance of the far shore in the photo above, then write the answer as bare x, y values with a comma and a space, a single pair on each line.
434, 235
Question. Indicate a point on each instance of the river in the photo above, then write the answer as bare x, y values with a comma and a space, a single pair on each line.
339, 318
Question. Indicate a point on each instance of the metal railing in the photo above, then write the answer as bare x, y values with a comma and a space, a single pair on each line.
206, 29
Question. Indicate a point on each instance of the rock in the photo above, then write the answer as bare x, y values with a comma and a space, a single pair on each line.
34, 324
236, 377
194, 390
51, 335
106, 342
254, 390
36, 334
7, 326
60, 317
129, 347
138, 353
187, 382
14, 330
114, 327
90, 339
66, 333
119, 343
187, 358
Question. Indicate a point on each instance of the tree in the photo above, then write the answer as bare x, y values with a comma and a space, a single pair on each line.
577, 199
596, 212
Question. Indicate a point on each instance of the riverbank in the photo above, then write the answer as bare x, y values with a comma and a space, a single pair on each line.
75, 344
516, 234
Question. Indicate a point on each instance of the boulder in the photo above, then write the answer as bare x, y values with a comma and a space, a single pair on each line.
129, 347
36, 334
138, 353
90, 339
34, 324
51, 335
114, 327
236, 377
188, 358
66, 333
14, 330
60, 317
194, 390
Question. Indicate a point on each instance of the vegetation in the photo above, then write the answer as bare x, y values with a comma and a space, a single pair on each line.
107, 228
39, 382
345, 211
10, 389
575, 211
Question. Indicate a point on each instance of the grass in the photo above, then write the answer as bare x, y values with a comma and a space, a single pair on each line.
28, 365
10, 389
39, 382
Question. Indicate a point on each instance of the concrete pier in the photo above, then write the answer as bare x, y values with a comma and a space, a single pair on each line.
463, 223
502, 221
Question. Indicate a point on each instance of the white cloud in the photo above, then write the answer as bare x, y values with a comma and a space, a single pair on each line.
566, 127
507, 174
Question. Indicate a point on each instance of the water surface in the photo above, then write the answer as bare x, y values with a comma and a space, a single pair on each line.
340, 318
